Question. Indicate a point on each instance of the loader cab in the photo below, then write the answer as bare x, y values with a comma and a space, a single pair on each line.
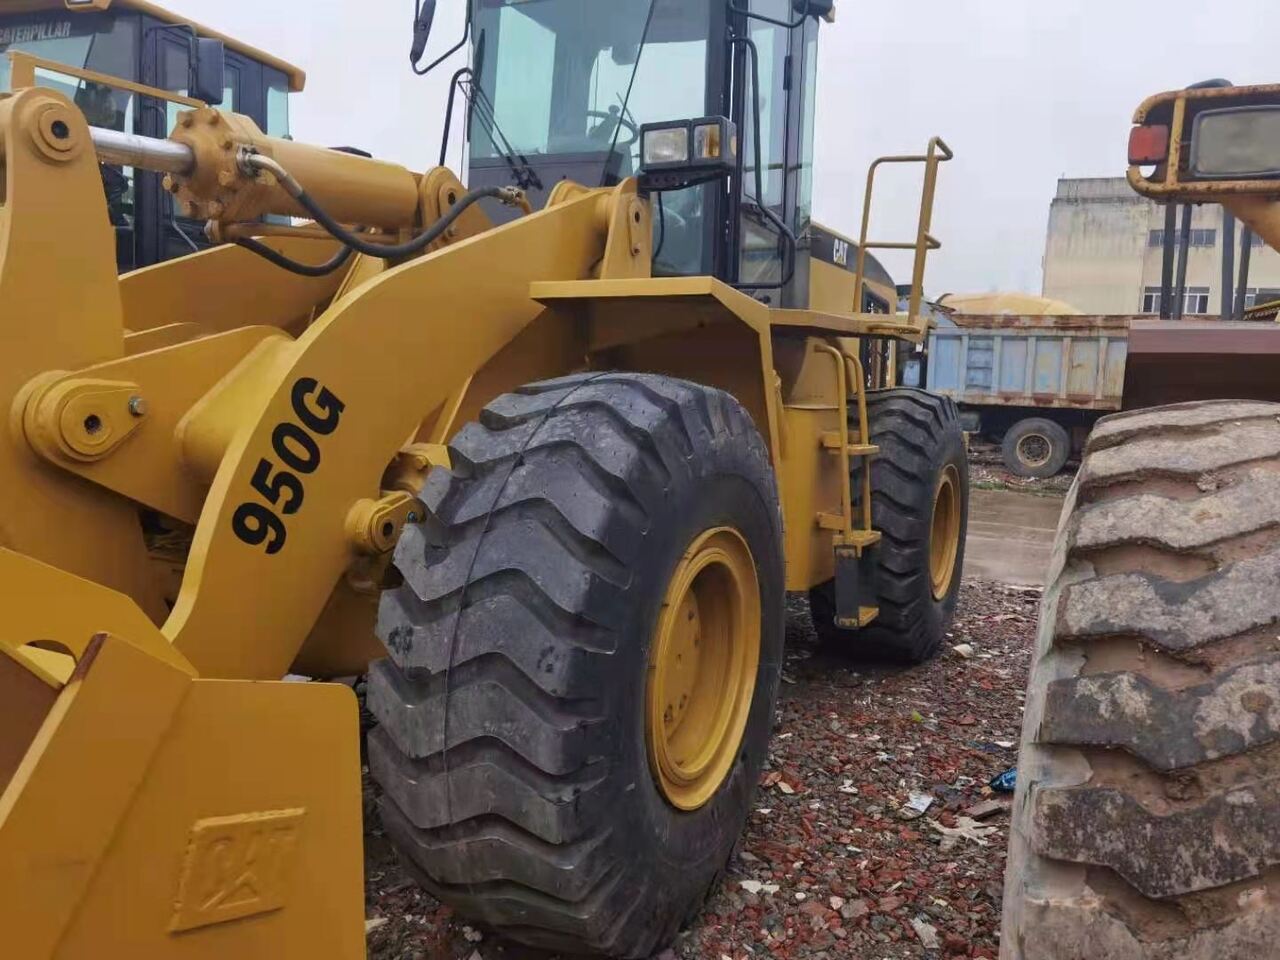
81, 50
562, 88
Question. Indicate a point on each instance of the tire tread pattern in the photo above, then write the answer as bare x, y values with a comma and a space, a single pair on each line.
490, 750
1147, 816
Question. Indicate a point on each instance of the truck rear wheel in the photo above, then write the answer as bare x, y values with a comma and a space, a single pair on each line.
584, 659
920, 502
1036, 447
1147, 816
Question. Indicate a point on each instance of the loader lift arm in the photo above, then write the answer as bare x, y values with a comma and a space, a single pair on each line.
277, 448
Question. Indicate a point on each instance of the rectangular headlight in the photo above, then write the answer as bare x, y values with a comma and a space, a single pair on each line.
681, 153
666, 146
1236, 143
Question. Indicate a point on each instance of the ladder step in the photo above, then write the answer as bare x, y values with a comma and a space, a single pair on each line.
861, 539
857, 540
831, 442
830, 521
864, 617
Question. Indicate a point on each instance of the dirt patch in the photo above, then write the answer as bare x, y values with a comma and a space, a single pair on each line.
835, 861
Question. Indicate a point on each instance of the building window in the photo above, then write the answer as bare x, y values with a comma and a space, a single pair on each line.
1195, 300
1199, 238
1255, 297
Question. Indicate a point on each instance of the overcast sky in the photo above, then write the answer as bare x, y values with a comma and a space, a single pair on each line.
1025, 91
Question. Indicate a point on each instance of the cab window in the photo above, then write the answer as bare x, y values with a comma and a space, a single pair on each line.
277, 85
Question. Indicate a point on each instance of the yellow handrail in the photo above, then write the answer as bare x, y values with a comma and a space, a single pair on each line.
937, 153
23, 74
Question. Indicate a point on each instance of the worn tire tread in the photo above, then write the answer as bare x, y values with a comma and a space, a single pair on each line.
1147, 816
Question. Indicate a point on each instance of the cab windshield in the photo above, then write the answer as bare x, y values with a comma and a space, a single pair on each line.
567, 77
100, 42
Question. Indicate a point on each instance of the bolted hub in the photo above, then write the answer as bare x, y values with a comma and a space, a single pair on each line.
703, 662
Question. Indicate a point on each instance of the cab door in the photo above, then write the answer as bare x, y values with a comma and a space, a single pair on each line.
166, 64
772, 43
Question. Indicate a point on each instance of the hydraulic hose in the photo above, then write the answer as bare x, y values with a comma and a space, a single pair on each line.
293, 266
257, 161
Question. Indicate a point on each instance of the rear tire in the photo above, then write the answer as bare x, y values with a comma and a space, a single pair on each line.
920, 443
1147, 816
1036, 448
514, 708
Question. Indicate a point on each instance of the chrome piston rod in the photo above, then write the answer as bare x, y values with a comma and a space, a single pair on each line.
145, 153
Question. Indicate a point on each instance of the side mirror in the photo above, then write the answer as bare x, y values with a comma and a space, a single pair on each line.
208, 70
422, 29
814, 8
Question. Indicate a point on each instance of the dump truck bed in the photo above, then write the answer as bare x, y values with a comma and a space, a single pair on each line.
1074, 362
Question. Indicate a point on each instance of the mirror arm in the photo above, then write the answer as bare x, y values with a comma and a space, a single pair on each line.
466, 35
736, 7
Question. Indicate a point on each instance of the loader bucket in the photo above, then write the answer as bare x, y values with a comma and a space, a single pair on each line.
146, 812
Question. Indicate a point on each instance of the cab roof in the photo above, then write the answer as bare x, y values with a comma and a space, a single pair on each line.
297, 76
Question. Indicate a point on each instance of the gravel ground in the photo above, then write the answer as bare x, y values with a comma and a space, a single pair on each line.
834, 862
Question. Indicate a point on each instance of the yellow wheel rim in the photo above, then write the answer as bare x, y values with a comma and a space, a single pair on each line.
702, 668
944, 533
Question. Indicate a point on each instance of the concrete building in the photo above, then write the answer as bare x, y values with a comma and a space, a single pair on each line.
1104, 249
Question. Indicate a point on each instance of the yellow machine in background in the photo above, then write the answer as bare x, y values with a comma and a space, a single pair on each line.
541, 454
1144, 824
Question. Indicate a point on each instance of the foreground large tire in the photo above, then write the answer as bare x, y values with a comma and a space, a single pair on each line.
540, 749
920, 502
1147, 816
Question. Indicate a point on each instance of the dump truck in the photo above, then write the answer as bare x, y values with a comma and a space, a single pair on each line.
106, 56
1146, 823
540, 455
1035, 384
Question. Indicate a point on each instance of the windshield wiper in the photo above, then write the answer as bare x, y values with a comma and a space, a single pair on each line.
522, 172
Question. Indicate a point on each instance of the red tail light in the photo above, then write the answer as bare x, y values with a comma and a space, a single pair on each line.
1148, 145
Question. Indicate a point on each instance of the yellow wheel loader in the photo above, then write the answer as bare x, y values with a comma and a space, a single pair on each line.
540, 454
1146, 824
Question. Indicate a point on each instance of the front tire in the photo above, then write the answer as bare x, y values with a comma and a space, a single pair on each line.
1146, 822
533, 776
920, 503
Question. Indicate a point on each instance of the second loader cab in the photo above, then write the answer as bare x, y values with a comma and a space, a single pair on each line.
132, 66
570, 89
